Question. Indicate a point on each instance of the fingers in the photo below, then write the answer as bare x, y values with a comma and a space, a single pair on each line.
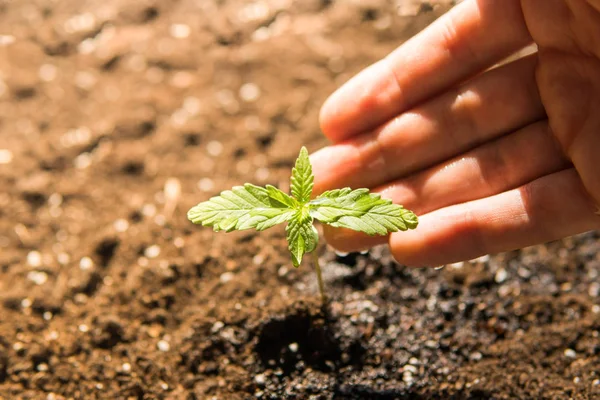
546, 209
492, 104
498, 166
470, 38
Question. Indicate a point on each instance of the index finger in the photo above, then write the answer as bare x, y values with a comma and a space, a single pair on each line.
468, 39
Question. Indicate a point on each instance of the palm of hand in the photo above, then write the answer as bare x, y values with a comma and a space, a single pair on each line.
568, 77
493, 162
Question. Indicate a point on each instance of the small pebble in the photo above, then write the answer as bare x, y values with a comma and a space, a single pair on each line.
83, 161
293, 347
570, 353
214, 148
501, 275
5, 40
43, 367
410, 368
217, 326
6, 156
179, 31
475, 356
249, 92
163, 345
596, 382
47, 72
126, 367
34, 258
121, 225
152, 251
85, 263
206, 184
83, 328
260, 379
37, 277
226, 277
178, 242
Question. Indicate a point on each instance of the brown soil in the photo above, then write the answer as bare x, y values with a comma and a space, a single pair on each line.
120, 115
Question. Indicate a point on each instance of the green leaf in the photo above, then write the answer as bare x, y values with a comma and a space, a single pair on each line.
242, 207
302, 236
282, 198
302, 178
361, 211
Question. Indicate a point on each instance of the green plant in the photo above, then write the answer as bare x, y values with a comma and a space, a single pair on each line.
250, 206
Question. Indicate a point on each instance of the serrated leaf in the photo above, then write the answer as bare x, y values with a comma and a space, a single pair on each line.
302, 178
361, 211
243, 207
284, 199
302, 236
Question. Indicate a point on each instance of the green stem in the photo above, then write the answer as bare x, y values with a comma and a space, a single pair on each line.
319, 276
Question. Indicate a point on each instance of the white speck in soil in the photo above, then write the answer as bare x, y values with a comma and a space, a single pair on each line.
192, 105
226, 277
47, 315
85, 80
214, 148
34, 258
457, 265
206, 184
126, 367
483, 259
37, 277
475, 356
576, 380
179, 31
121, 225
258, 259
85, 263
262, 174
83, 161
293, 347
6, 156
570, 353
47, 72
163, 345
282, 271
172, 189
596, 309
26, 302
501, 275
152, 251
594, 289
5, 40
596, 382
260, 379
149, 210
83, 328
217, 326
178, 242
42, 367
249, 92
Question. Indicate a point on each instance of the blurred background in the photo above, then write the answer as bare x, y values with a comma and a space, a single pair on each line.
116, 116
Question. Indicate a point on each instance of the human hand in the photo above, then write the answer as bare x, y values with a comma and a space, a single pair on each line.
491, 161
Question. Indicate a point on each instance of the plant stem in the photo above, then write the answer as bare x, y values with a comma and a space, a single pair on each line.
319, 276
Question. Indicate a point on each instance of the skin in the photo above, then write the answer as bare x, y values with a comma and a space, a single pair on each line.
491, 159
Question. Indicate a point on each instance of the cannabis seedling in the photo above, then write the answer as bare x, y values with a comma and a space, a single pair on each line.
250, 206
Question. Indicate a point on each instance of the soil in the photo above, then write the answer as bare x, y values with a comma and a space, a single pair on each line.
116, 116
